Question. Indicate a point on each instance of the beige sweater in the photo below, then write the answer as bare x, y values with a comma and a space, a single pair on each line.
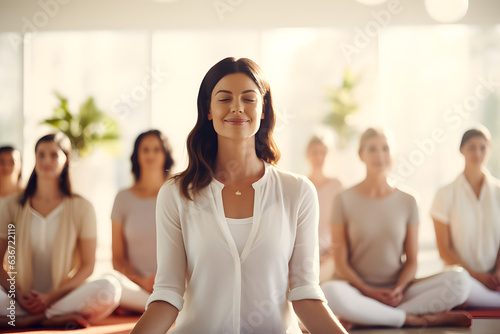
78, 221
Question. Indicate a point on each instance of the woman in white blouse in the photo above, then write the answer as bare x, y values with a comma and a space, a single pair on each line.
237, 237
466, 216
49, 237
375, 227
134, 224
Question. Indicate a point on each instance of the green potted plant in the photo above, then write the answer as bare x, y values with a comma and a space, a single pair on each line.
89, 128
343, 106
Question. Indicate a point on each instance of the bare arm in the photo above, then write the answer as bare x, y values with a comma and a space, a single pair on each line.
341, 258
121, 262
445, 246
317, 317
158, 319
411, 249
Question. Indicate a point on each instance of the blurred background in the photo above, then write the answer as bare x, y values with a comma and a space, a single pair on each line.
425, 70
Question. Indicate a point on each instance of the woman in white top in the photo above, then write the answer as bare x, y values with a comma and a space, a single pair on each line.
327, 188
374, 227
10, 171
49, 237
133, 219
466, 216
237, 237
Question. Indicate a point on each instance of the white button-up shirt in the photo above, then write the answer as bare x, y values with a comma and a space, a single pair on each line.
474, 222
201, 273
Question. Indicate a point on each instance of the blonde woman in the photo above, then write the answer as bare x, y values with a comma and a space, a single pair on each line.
466, 216
374, 227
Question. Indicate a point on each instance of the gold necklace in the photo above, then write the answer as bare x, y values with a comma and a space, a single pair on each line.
237, 193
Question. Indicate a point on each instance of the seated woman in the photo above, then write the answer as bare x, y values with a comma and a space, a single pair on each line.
327, 188
374, 227
134, 224
49, 235
10, 171
237, 237
466, 216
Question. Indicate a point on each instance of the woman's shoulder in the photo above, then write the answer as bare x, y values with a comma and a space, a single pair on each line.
290, 179
406, 193
170, 189
11, 202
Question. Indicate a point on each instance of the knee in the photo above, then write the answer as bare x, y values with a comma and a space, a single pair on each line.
458, 282
107, 290
335, 295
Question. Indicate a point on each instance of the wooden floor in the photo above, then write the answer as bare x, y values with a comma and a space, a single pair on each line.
111, 325
123, 325
479, 326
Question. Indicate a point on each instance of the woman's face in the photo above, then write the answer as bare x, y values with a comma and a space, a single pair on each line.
316, 154
10, 164
236, 108
151, 154
376, 154
475, 151
50, 160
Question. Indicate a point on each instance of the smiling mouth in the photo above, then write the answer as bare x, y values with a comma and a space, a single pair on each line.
236, 121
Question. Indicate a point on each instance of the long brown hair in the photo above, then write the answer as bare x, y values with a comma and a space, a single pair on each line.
64, 183
167, 149
202, 140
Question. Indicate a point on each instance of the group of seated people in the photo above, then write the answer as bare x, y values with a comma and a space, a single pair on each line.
374, 226
368, 239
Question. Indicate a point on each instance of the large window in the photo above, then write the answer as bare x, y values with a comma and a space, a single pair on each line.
411, 81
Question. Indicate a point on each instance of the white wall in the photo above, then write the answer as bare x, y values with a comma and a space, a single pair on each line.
27, 15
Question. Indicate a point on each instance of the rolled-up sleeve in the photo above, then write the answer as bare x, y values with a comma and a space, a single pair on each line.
170, 281
304, 263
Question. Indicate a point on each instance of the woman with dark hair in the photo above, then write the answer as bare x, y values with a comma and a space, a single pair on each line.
375, 243
49, 235
133, 219
10, 171
466, 216
237, 237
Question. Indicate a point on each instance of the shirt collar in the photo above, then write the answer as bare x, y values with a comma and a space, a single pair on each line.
260, 182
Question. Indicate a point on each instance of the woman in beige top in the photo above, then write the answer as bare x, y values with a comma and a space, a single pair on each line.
327, 188
48, 242
134, 224
374, 227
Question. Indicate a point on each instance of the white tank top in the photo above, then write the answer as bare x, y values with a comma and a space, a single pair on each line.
240, 230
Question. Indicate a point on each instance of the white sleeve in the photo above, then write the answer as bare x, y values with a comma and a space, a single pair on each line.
170, 280
304, 262
441, 206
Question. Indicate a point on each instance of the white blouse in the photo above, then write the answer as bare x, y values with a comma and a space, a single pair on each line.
43, 233
216, 289
474, 222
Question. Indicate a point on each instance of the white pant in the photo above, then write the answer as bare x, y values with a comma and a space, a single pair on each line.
94, 301
133, 297
481, 296
429, 295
